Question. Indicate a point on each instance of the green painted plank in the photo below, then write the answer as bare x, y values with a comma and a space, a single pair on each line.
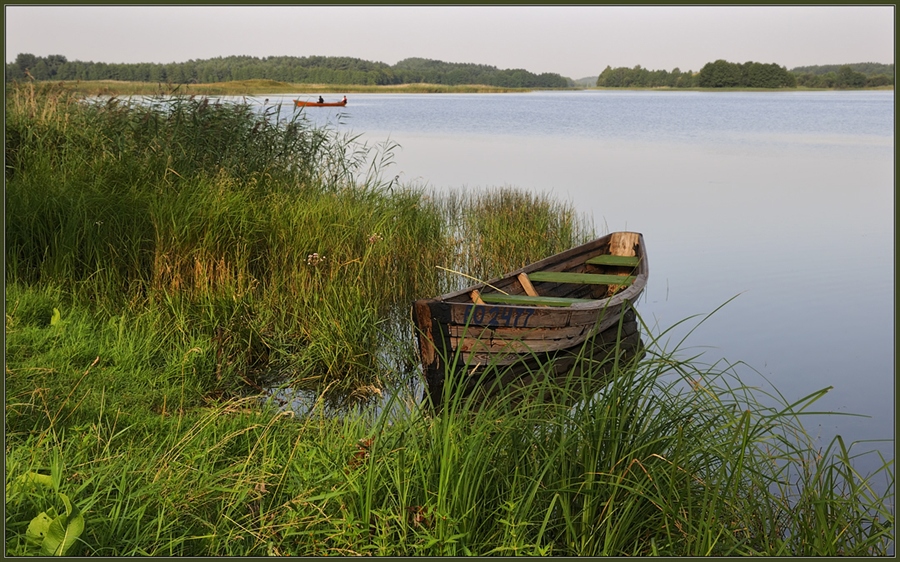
614, 260
590, 278
497, 298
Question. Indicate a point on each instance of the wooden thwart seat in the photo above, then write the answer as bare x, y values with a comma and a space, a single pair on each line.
588, 278
609, 259
531, 297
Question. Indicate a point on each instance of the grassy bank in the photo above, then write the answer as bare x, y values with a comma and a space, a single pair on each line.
273, 87
169, 261
651, 466
261, 87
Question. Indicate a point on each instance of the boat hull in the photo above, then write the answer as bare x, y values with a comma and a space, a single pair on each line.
493, 324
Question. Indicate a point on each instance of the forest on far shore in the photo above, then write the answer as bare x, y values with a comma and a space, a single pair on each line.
724, 74
294, 70
354, 71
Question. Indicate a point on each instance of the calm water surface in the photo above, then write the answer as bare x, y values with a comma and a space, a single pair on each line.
783, 200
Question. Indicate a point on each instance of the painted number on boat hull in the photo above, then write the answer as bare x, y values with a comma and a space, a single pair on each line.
501, 316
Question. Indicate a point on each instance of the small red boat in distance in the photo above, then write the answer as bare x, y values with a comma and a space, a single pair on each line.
341, 103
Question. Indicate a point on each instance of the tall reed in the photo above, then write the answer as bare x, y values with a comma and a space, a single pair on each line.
498, 230
272, 246
251, 230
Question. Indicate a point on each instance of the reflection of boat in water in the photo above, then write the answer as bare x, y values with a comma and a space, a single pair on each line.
543, 316
299, 103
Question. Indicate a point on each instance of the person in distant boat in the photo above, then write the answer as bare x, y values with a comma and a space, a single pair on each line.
321, 99
344, 100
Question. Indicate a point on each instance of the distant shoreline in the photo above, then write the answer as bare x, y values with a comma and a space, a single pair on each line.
263, 87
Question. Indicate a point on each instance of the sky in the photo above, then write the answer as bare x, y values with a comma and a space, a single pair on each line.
575, 41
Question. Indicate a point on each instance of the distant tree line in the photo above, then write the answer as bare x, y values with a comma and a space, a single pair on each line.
639, 77
724, 74
718, 74
867, 68
347, 71
858, 75
298, 70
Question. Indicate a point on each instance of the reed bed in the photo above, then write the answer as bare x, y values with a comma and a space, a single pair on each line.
275, 243
498, 230
263, 87
171, 260
264, 238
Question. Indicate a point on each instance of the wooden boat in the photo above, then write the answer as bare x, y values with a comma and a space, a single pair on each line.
299, 103
546, 310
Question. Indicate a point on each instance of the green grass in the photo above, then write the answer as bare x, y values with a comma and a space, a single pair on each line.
668, 459
170, 262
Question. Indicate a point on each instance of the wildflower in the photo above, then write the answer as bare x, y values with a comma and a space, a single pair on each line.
314, 258
362, 452
375, 238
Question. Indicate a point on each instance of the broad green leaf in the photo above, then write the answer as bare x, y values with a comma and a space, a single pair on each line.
38, 528
64, 530
55, 537
29, 478
61, 535
54, 320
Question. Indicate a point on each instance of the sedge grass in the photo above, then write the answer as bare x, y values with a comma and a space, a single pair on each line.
650, 465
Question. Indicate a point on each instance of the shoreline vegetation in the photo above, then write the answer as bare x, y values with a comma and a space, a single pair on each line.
272, 87
411, 71
264, 87
171, 262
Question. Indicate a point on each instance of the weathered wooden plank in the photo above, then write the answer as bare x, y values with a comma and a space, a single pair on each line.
519, 365
502, 347
497, 298
566, 369
526, 285
427, 351
480, 350
504, 333
521, 316
588, 278
623, 243
538, 334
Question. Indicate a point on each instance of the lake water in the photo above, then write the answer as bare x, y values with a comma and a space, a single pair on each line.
784, 200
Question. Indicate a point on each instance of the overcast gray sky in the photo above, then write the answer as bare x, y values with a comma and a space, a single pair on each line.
575, 41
